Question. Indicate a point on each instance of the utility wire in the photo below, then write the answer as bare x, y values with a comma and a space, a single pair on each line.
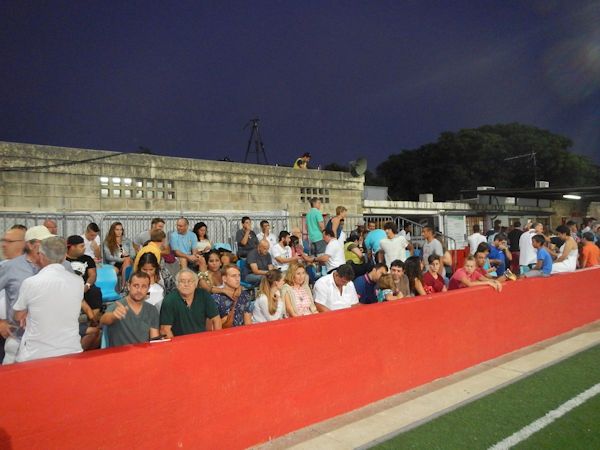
49, 166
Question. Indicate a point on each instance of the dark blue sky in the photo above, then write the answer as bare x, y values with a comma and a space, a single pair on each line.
338, 79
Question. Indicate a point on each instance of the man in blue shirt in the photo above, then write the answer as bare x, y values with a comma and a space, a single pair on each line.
372, 243
183, 243
543, 265
365, 284
499, 253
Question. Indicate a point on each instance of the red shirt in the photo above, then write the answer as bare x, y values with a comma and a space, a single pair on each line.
437, 284
459, 275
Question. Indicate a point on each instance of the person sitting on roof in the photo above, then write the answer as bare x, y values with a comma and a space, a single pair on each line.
302, 162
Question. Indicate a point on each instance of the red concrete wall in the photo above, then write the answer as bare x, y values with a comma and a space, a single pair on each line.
235, 388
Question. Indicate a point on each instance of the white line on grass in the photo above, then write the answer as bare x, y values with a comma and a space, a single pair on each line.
550, 417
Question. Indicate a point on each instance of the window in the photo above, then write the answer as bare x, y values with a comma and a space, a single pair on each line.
116, 181
149, 183
127, 193
116, 193
170, 195
127, 181
150, 194
139, 183
160, 194
104, 193
104, 181
160, 184
170, 184
139, 194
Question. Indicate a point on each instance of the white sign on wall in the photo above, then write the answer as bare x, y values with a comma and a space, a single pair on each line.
456, 229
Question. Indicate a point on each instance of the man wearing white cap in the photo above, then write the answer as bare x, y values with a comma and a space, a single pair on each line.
12, 275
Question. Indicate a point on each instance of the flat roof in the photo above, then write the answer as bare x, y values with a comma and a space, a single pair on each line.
588, 193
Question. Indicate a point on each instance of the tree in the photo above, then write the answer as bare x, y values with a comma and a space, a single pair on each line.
475, 157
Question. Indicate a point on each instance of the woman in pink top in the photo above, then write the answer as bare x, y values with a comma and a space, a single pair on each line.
296, 294
468, 277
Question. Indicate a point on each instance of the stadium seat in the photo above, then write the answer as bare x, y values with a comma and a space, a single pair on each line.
106, 281
241, 263
104, 340
222, 246
128, 271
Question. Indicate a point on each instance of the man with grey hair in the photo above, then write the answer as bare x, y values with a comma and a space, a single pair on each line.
48, 306
12, 275
186, 309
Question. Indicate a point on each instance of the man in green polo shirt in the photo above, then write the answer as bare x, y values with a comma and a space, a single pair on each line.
185, 310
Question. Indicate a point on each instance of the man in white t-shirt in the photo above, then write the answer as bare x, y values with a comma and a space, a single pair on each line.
50, 301
394, 246
527, 253
91, 239
475, 239
281, 252
405, 231
336, 290
266, 233
334, 252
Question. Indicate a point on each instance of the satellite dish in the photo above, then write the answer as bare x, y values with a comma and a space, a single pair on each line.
358, 167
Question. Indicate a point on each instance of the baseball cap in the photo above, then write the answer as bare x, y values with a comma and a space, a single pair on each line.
39, 232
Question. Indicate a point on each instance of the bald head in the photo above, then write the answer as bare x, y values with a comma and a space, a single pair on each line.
13, 243
51, 225
263, 247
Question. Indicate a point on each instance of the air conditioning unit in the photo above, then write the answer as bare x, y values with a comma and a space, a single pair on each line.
426, 198
542, 184
486, 188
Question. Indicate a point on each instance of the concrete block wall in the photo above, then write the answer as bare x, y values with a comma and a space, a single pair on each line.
198, 185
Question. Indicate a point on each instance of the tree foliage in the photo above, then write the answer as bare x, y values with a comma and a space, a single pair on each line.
477, 157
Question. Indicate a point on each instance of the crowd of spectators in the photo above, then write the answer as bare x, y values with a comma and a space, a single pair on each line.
177, 282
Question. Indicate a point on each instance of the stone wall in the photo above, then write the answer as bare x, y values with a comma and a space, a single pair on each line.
45, 178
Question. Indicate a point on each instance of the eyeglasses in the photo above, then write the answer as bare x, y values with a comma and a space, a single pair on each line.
184, 282
10, 241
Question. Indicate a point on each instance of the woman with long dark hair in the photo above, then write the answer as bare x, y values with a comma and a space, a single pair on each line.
118, 250
413, 268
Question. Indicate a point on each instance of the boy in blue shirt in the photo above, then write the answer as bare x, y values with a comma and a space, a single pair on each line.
543, 265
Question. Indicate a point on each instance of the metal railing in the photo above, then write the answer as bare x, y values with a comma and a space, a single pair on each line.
221, 227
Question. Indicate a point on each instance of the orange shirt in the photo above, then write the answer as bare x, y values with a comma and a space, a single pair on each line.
591, 254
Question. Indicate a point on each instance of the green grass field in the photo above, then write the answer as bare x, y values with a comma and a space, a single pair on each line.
487, 421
